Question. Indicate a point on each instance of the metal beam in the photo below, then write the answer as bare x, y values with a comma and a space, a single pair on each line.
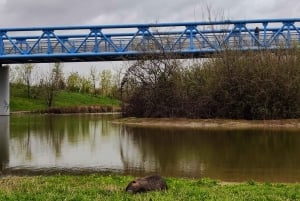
130, 41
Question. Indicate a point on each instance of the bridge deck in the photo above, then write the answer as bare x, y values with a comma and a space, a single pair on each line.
123, 42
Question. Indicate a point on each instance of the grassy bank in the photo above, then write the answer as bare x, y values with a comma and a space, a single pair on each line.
107, 187
64, 101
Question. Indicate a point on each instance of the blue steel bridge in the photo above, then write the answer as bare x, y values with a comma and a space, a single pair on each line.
130, 41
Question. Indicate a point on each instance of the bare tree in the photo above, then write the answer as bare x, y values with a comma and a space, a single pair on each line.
58, 74
117, 82
51, 82
94, 79
152, 81
24, 75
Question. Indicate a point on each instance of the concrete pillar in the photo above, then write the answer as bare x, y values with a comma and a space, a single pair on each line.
4, 90
4, 142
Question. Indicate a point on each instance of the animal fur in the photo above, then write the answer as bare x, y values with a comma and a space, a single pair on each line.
149, 183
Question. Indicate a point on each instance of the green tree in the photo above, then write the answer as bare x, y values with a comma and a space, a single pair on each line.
106, 82
74, 82
86, 85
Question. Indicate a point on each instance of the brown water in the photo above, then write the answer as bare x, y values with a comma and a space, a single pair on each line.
43, 144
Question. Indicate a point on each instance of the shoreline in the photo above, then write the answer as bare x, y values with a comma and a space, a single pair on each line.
209, 123
230, 124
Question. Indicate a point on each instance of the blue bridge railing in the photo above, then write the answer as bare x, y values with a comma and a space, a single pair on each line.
123, 42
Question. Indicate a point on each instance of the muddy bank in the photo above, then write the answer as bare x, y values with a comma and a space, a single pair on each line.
210, 123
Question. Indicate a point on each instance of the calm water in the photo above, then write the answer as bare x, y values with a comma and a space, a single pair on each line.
91, 143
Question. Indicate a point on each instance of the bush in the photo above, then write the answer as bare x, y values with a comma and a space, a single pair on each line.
235, 85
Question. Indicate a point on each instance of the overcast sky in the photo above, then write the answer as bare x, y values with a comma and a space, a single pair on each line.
26, 13
78, 12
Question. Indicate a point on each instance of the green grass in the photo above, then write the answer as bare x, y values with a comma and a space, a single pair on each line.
73, 99
20, 102
111, 187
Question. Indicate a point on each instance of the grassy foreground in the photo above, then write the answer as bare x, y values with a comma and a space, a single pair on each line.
111, 187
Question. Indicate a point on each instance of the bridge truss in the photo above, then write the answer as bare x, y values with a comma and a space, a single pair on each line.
125, 42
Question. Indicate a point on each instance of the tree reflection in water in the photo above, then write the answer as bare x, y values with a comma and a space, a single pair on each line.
91, 142
230, 155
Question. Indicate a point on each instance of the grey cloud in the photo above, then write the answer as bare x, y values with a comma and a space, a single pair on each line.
55, 12
77, 12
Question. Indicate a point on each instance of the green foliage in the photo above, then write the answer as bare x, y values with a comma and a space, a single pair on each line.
207, 182
106, 82
105, 79
111, 187
74, 82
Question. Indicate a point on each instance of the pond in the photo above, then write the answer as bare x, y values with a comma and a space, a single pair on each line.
80, 144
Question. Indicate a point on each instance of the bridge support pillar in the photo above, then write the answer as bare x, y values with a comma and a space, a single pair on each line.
4, 90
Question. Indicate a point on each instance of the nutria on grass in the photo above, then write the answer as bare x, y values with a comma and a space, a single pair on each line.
149, 183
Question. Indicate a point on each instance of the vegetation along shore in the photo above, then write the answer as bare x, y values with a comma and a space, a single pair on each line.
254, 85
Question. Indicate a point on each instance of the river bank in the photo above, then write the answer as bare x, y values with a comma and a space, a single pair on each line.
210, 123
171, 122
91, 109
112, 187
